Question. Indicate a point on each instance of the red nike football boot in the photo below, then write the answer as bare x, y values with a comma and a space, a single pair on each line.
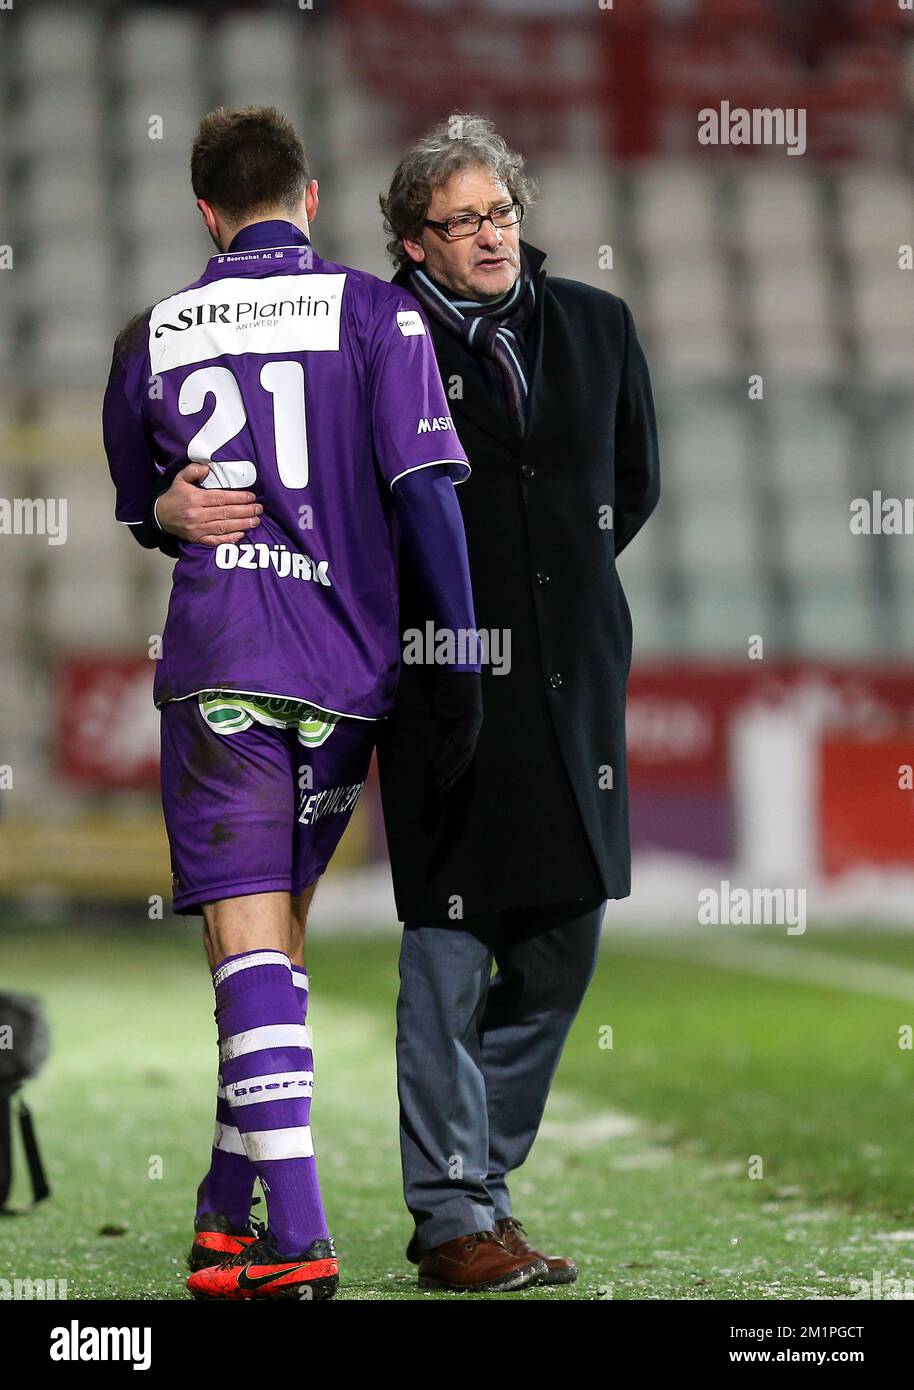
260, 1271
215, 1239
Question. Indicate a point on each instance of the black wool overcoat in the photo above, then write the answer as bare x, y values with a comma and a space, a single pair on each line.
541, 816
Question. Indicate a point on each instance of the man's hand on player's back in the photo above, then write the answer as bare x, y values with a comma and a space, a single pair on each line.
206, 516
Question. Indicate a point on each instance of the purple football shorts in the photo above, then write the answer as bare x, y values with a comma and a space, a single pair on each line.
255, 810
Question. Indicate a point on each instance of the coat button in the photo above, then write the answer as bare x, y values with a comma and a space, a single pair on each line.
542, 577
555, 680
527, 469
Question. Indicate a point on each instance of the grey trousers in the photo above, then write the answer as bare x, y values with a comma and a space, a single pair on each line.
476, 1053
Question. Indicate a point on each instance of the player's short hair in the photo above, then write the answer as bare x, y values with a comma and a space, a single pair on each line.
461, 141
248, 160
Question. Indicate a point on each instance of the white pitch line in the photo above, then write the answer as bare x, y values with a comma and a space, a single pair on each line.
801, 965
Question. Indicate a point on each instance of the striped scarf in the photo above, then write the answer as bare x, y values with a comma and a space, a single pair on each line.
495, 329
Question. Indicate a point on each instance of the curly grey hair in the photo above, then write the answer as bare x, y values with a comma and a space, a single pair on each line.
462, 141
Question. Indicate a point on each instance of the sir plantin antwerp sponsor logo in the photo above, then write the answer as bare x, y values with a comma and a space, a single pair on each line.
243, 313
282, 313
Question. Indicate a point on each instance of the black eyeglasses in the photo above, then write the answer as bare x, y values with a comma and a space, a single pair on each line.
469, 223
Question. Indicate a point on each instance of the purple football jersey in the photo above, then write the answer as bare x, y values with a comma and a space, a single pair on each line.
315, 387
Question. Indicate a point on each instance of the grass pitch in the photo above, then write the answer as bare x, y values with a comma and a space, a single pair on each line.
747, 1135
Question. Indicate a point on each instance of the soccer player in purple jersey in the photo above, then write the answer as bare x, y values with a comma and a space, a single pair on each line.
311, 391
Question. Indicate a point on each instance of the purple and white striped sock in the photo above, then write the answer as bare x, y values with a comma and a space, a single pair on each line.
264, 1051
229, 1184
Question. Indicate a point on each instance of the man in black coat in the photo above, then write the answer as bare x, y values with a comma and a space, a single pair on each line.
513, 866
552, 402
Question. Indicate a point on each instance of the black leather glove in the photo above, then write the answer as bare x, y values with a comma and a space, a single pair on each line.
457, 712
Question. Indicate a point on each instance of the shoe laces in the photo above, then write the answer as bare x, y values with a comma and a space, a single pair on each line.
253, 1253
479, 1236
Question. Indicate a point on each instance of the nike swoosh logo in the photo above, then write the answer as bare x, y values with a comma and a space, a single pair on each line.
246, 1282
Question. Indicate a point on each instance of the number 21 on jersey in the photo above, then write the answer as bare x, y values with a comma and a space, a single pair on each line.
285, 383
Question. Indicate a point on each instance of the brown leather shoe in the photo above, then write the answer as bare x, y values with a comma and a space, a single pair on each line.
559, 1268
478, 1263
